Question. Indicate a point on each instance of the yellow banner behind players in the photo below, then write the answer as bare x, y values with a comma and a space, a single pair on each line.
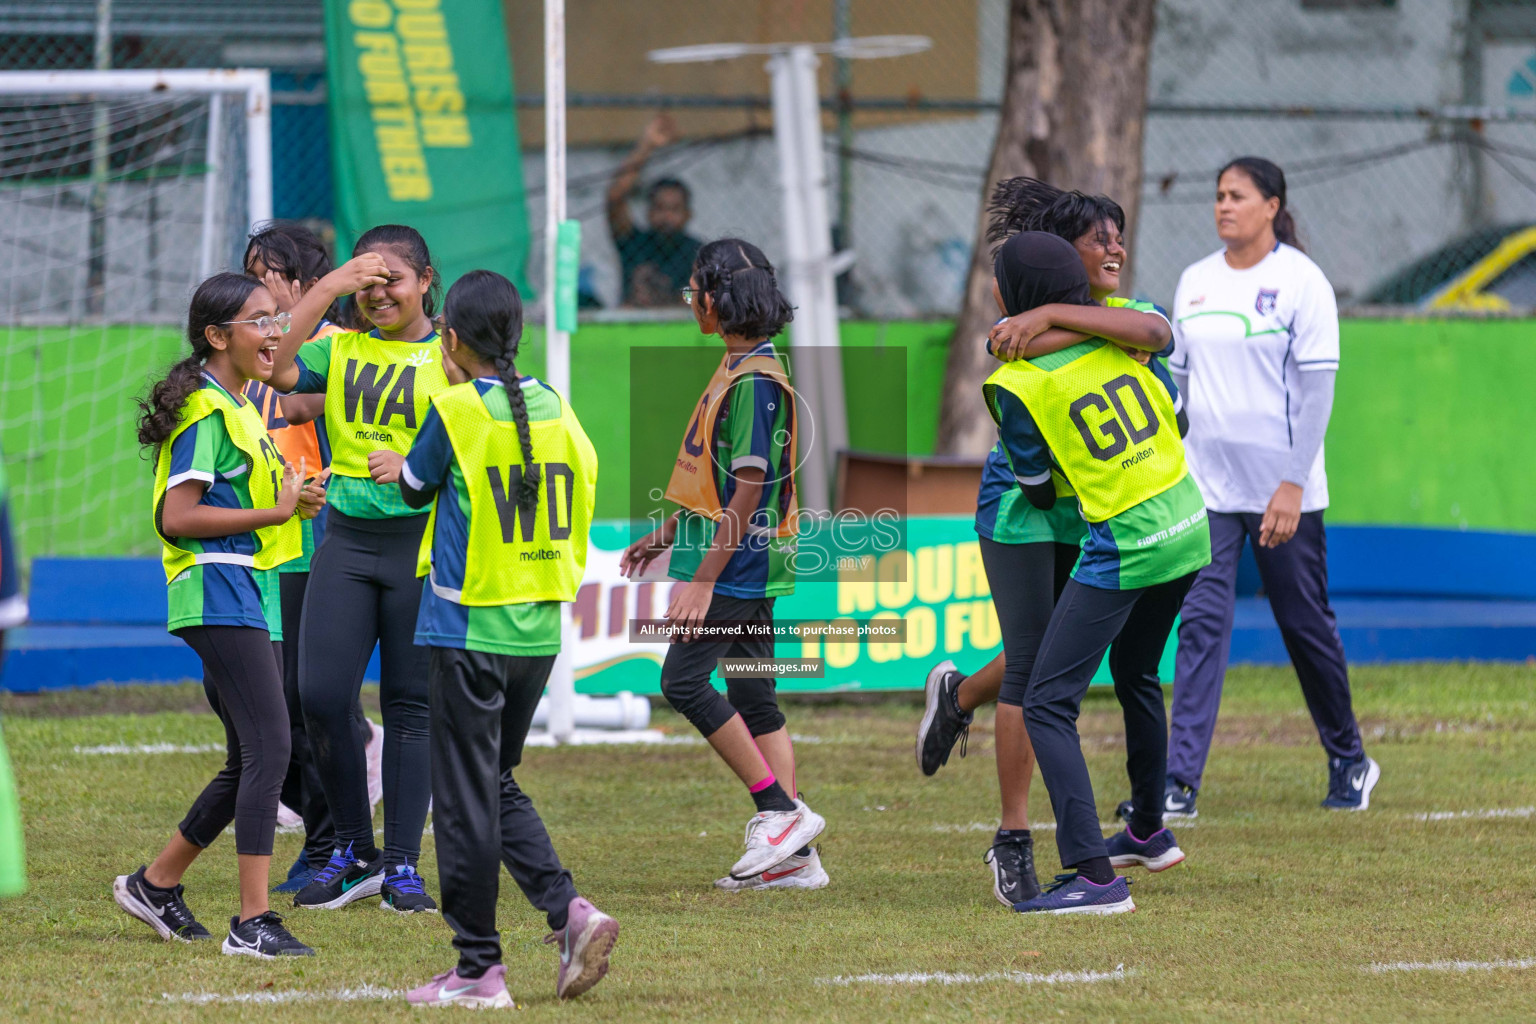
406, 61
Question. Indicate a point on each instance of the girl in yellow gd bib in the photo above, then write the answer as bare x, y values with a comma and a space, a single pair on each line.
730, 544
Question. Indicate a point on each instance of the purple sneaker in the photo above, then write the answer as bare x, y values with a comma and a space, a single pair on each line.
1158, 852
487, 992
584, 944
1074, 894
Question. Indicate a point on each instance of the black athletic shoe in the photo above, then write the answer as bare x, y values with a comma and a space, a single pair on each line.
404, 893
161, 909
943, 721
262, 936
342, 881
1013, 871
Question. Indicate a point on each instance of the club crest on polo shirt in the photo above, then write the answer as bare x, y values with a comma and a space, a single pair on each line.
1267, 301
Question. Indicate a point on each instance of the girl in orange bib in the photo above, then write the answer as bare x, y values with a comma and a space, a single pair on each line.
732, 546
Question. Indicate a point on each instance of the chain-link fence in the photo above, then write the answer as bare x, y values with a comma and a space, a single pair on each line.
63, 35
1407, 128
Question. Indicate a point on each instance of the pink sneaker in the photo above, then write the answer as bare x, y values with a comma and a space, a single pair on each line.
584, 944
489, 991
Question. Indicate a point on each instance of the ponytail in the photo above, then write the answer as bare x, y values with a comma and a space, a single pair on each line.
486, 313
216, 301
1269, 179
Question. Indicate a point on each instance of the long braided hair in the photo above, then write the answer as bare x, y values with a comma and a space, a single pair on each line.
486, 312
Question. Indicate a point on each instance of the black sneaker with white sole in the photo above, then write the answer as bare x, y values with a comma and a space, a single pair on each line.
1013, 871
1178, 802
262, 936
943, 721
162, 909
404, 892
344, 880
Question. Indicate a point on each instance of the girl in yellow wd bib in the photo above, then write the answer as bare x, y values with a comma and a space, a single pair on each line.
514, 479
731, 543
226, 510
378, 386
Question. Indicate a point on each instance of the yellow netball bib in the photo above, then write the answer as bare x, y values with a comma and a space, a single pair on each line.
274, 544
376, 395
517, 556
1107, 420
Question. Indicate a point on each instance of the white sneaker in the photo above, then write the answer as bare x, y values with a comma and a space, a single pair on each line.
375, 753
774, 836
794, 872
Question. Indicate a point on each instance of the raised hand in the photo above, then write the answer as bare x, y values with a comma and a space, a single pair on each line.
288, 494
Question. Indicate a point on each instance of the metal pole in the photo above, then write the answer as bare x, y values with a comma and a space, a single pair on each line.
101, 135
557, 359
258, 146
557, 344
842, 28
213, 164
803, 330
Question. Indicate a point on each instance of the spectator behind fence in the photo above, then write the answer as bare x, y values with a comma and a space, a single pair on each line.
657, 260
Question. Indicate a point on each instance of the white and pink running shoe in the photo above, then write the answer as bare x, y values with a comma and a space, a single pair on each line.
487, 992
584, 944
774, 836
794, 872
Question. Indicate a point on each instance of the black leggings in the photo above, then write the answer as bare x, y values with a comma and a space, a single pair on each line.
302, 791
482, 706
363, 589
686, 672
1016, 575
1082, 627
244, 688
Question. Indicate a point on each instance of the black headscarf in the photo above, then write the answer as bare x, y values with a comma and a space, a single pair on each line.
1034, 268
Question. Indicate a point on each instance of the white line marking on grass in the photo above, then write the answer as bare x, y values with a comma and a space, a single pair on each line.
363, 993
153, 748
1043, 826
948, 978
1485, 814
1454, 965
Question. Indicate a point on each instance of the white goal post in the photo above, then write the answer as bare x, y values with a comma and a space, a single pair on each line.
254, 84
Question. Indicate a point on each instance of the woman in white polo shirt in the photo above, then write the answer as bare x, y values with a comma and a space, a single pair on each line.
1257, 333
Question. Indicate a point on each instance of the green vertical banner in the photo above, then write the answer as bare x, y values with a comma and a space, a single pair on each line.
424, 131
567, 271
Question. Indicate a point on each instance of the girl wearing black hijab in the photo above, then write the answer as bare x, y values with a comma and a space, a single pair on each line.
1107, 425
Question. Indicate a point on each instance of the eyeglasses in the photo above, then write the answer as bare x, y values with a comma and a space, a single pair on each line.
688, 294
439, 324
265, 324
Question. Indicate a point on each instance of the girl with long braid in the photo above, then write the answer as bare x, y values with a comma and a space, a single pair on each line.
512, 479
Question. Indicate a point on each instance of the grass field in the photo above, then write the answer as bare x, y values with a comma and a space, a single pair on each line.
1282, 912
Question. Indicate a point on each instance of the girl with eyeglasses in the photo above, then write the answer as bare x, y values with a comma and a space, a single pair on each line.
227, 510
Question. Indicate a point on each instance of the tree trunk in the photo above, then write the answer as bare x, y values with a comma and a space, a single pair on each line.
1072, 112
